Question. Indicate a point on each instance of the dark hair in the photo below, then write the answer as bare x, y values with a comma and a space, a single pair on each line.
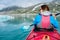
45, 7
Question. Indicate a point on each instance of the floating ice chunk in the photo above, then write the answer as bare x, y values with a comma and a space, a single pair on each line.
5, 18
26, 27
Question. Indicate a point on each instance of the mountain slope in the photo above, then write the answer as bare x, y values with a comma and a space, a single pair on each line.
11, 8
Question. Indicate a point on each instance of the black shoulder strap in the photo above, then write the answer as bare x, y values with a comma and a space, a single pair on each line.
39, 14
50, 14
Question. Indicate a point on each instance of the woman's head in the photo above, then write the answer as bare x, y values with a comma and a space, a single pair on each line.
44, 8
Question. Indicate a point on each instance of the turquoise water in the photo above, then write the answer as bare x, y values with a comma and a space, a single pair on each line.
13, 29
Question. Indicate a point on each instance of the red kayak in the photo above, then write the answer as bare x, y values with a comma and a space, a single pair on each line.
43, 35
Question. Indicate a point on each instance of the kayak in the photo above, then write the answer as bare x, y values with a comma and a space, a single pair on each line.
43, 35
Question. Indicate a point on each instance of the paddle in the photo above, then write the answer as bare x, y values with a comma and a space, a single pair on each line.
51, 14
27, 27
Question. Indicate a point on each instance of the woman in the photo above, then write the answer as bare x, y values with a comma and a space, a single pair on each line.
44, 19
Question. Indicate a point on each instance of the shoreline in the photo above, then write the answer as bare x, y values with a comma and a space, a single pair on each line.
24, 14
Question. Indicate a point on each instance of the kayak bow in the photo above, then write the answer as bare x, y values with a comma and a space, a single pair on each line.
44, 35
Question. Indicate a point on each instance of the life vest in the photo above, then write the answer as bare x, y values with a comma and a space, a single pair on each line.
45, 22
